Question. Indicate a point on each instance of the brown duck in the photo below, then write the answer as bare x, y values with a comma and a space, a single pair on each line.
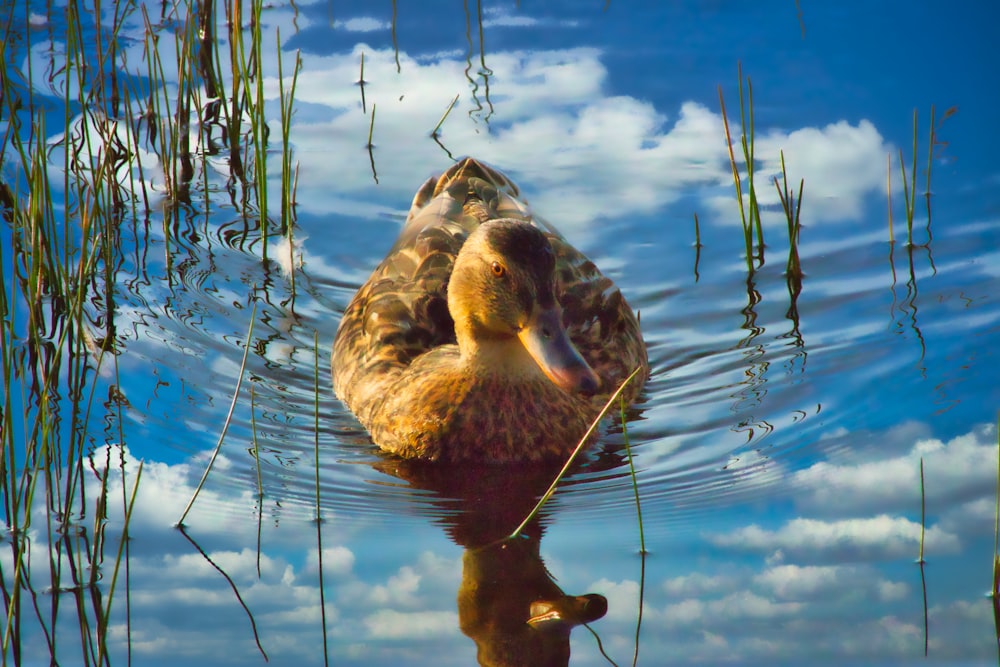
483, 335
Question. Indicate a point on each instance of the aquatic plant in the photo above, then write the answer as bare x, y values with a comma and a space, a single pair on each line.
131, 143
750, 210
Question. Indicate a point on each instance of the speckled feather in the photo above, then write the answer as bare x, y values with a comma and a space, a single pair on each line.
395, 358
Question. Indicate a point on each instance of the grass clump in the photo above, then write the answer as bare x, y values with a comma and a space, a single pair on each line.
134, 142
753, 231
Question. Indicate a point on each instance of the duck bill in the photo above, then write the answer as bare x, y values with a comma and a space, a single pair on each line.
547, 342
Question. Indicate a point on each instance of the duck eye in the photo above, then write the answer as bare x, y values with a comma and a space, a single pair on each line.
498, 269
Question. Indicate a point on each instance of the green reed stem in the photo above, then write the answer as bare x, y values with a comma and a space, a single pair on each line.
371, 130
913, 185
642, 534
923, 512
260, 482
361, 84
888, 193
737, 182
103, 620
635, 481
792, 208
229, 416
437, 128
748, 155
920, 558
931, 143
569, 461
600, 645
319, 510
750, 213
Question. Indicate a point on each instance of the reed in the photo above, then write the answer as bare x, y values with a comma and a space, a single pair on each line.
888, 194
248, 343
909, 177
256, 461
753, 230
370, 146
361, 83
791, 205
909, 184
60, 261
642, 535
697, 248
319, 507
572, 457
920, 558
57, 268
289, 173
437, 128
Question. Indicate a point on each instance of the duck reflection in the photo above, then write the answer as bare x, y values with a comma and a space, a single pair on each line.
508, 603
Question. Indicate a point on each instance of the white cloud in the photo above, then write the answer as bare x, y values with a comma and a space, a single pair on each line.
362, 24
795, 582
832, 584
740, 605
337, 561
392, 624
698, 584
502, 17
845, 540
579, 153
959, 470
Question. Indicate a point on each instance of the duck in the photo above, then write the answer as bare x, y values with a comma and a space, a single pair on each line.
483, 336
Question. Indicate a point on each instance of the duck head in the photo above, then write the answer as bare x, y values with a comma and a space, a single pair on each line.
501, 295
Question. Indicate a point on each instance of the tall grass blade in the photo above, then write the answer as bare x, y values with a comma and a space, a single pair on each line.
569, 461
888, 193
437, 128
920, 559
642, 534
319, 510
361, 83
260, 482
229, 416
103, 626
370, 146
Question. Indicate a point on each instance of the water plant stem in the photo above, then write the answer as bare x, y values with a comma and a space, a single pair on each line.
229, 416
569, 461
750, 211
642, 534
920, 558
437, 128
319, 511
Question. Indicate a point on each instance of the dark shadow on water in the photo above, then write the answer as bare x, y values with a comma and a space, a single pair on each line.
508, 603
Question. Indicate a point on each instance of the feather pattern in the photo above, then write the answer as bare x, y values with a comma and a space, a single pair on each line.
398, 362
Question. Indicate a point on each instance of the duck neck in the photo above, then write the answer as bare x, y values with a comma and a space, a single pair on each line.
499, 356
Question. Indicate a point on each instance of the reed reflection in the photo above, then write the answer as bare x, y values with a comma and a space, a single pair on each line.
508, 603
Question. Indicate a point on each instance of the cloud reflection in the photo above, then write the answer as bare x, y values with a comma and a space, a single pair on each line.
583, 153
819, 572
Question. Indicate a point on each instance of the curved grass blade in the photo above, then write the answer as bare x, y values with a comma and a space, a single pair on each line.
229, 417
569, 461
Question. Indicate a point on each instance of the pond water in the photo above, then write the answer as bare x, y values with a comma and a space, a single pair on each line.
794, 422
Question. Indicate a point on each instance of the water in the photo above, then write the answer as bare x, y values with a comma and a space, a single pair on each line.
779, 441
